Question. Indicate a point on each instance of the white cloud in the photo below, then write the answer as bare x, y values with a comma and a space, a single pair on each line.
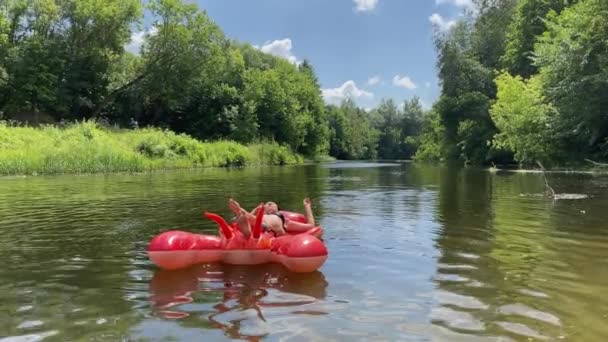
442, 24
459, 3
365, 5
347, 90
404, 82
279, 48
374, 80
138, 38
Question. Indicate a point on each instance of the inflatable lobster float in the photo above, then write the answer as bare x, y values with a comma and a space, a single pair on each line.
299, 252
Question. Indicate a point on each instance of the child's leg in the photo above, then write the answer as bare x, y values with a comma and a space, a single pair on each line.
307, 208
298, 227
243, 224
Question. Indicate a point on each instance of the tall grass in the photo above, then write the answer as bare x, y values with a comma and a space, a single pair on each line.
88, 148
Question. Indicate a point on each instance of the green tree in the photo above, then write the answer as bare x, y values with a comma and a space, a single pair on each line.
572, 56
389, 126
3, 55
466, 92
35, 70
489, 36
468, 55
339, 130
316, 141
430, 145
31, 56
287, 106
524, 119
411, 126
362, 141
58, 53
124, 95
528, 23
183, 63
95, 35
352, 133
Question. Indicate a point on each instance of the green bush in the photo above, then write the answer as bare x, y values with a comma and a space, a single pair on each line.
88, 148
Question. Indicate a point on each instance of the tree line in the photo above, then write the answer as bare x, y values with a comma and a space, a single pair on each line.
66, 60
386, 132
522, 81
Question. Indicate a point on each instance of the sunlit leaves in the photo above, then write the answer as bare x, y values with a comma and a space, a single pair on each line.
524, 119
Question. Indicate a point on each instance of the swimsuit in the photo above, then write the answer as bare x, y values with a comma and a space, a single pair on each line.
267, 229
280, 215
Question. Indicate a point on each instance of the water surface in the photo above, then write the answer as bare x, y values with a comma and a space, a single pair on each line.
417, 253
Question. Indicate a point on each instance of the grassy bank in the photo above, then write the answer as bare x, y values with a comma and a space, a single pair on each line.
88, 148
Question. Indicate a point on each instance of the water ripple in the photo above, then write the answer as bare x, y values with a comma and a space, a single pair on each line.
523, 310
457, 319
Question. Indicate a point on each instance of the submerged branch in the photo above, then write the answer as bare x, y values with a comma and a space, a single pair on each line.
545, 179
596, 163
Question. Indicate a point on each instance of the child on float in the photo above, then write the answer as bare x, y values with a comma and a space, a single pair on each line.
273, 221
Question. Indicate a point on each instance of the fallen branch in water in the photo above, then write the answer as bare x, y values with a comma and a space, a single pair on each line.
545, 179
596, 163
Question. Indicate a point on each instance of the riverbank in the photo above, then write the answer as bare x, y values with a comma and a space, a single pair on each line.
88, 148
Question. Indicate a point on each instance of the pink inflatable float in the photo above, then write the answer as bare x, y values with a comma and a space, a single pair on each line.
299, 252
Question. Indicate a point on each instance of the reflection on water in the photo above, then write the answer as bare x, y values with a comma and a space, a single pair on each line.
417, 253
241, 300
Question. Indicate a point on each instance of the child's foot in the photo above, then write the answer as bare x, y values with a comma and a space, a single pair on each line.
234, 206
309, 218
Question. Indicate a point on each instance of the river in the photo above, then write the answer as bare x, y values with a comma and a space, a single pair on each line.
416, 253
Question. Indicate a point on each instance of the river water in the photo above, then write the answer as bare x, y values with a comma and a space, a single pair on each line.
417, 253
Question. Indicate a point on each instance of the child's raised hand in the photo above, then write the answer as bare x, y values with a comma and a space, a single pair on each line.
307, 202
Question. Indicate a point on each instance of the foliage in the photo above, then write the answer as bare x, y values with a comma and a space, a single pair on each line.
466, 55
528, 23
352, 135
554, 107
58, 54
524, 119
431, 139
288, 107
398, 128
572, 56
66, 60
87, 147
489, 35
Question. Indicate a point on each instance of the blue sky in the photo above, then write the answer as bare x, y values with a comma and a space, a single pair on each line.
364, 49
